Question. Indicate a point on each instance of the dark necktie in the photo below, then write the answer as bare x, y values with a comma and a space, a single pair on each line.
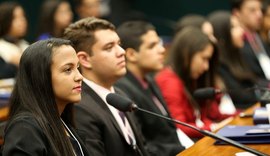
132, 142
123, 117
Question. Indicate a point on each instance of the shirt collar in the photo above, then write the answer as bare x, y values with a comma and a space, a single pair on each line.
143, 82
101, 91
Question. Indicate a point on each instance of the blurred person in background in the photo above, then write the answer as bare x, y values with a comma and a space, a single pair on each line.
206, 27
191, 65
236, 75
145, 55
13, 28
198, 21
255, 53
87, 8
55, 16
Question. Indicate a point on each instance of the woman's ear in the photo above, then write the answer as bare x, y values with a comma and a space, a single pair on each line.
131, 55
85, 60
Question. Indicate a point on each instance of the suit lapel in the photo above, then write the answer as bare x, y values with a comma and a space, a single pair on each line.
90, 92
134, 81
157, 92
152, 88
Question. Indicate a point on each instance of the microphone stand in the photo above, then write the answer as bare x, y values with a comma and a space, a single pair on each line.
204, 132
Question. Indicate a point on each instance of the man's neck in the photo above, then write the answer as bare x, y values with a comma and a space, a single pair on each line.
249, 30
106, 83
135, 70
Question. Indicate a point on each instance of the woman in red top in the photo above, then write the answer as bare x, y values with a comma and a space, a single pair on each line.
191, 63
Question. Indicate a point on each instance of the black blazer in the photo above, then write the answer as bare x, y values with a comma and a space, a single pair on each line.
252, 61
24, 136
239, 90
159, 133
104, 135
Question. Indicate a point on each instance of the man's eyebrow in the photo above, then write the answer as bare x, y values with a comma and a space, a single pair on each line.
112, 42
68, 64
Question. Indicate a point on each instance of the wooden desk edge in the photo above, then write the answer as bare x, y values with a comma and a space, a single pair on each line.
210, 141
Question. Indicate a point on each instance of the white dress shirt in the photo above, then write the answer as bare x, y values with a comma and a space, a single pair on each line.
103, 92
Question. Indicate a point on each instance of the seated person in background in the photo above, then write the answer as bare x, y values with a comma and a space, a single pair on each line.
55, 16
87, 8
144, 55
265, 28
102, 61
7, 70
40, 117
12, 30
201, 22
237, 77
255, 53
191, 64
197, 21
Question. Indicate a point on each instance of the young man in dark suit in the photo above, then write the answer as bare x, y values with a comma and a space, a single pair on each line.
144, 55
102, 63
255, 53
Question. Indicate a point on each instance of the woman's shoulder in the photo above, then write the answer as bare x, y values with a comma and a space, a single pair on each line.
167, 75
23, 44
24, 135
5, 44
166, 70
23, 122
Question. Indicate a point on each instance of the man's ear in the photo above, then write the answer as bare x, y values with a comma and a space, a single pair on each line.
84, 58
131, 55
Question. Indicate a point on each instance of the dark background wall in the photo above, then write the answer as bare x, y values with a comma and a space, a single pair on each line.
162, 13
165, 13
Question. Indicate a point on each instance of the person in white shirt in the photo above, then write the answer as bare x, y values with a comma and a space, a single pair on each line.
102, 62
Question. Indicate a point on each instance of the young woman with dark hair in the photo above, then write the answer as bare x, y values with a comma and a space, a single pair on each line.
12, 30
40, 119
55, 16
197, 21
191, 65
236, 76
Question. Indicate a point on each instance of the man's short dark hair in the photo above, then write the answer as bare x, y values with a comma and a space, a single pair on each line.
131, 32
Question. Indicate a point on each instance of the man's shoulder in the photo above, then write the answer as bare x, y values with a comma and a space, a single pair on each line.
87, 102
125, 84
121, 81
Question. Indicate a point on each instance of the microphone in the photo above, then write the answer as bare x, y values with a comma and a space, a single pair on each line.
210, 93
262, 94
125, 104
206, 93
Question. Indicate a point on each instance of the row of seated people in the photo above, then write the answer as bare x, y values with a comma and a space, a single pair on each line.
54, 17
103, 64
99, 125
15, 24
15, 28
